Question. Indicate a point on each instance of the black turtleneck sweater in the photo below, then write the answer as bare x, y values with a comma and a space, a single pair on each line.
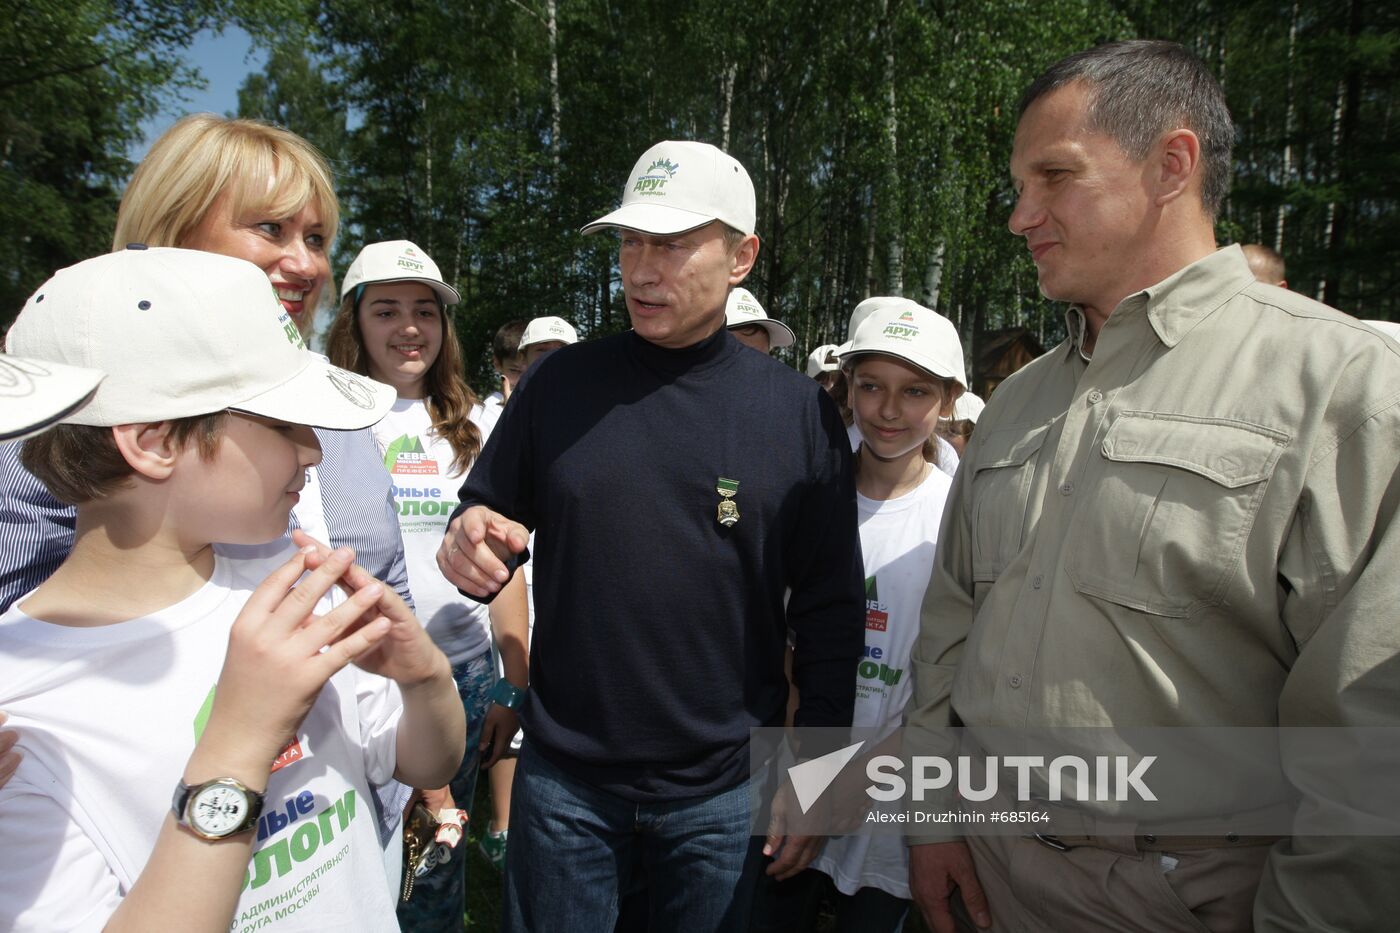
659, 633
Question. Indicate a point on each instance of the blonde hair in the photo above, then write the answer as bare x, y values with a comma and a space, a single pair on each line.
201, 158
448, 397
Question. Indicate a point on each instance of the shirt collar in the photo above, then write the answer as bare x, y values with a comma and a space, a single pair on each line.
1180, 301
1076, 328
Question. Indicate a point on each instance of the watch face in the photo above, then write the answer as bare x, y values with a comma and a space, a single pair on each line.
218, 809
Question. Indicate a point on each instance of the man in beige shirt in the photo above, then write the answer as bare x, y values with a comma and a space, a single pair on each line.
1184, 515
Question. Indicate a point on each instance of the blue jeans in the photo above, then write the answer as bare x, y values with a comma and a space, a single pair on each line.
575, 851
439, 897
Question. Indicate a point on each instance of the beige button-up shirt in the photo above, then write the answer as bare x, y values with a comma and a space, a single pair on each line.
1194, 526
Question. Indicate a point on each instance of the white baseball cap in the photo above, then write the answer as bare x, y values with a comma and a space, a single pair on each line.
868, 307
182, 333
743, 310
822, 360
678, 186
968, 407
396, 261
545, 329
36, 395
912, 333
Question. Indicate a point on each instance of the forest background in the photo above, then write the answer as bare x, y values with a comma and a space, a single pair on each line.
877, 134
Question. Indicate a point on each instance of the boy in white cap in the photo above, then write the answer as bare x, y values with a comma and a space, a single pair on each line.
152, 663
543, 335
745, 318
822, 364
667, 540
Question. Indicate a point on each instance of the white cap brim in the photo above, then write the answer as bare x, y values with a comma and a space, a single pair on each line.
779, 334
927, 363
324, 396
447, 293
653, 219
36, 394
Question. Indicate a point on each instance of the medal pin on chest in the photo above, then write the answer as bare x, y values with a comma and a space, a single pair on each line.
727, 513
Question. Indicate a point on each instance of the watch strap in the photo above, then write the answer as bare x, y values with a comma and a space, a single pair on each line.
507, 694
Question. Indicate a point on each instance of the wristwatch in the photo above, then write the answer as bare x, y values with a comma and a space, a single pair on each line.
216, 809
507, 694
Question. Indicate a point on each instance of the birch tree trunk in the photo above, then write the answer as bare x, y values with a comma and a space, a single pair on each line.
1290, 116
555, 109
933, 276
870, 226
1344, 132
726, 110
894, 257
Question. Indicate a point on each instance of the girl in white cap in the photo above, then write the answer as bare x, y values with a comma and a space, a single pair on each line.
393, 325
904, 366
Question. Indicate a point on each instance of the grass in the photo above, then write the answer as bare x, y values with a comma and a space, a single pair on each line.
483, 880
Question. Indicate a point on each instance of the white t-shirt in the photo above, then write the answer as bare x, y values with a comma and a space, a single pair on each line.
947, 454
897, 538
491, 408
425, 488
108, 717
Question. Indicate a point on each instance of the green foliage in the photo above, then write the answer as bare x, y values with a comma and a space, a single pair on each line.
76, 80
877, 135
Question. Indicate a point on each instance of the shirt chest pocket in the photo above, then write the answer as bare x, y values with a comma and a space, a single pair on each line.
1001, 493
1171, 511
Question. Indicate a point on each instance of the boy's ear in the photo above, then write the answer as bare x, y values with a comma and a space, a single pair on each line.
148, 448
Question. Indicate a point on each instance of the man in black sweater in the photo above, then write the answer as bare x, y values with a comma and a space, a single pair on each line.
679, 486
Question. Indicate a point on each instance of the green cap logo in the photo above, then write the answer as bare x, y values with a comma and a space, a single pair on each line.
653, 180
901, 328
289, 327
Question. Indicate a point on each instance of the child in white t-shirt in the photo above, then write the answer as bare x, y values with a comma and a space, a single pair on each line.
394, 325
151, 665
904, 367
509, 364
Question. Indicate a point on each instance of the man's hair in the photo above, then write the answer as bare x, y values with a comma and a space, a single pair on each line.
80, 463
1266, 264
733, 236
1139, 90
506, 343
201, 158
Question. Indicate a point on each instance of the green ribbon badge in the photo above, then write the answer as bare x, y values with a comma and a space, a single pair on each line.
728, 512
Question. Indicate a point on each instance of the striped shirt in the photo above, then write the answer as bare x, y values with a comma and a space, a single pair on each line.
36, 530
